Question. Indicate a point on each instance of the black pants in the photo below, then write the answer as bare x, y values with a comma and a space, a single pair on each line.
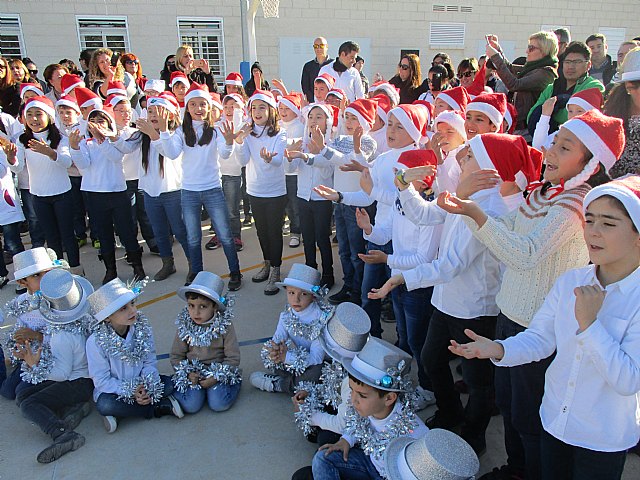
268, 213
477, 374
246, 200
315, 225
139, 214
109, 209
40, 402
55, 216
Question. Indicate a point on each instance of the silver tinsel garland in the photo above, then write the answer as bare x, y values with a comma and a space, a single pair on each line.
114, 345
299, 355
330, 385
15, 308
151, 383
312, 404
81, 326
202, 335
308, 331
223, 373
40, 371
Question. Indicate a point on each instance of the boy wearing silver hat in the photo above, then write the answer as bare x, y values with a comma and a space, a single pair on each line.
294, 352
205, 352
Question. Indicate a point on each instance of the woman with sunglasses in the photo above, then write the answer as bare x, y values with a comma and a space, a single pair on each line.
9, 89
409, 79
134, 80
467, 70
169, 68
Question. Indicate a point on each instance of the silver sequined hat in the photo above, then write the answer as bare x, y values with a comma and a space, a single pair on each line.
346, 331
303, 277
370, 365
111, 297
439, 454
66, 295
208, 284
631, 66
33, 261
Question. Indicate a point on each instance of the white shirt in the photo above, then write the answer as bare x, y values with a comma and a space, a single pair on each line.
294, 131
132, 160
541, 135
334, 423
309, 177
349, 81
47, 177
10, 210
591, 397
306, 316
264, 179
100, 165
69, 357
448, 174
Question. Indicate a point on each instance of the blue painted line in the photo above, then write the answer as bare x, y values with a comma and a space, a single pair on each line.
245, 343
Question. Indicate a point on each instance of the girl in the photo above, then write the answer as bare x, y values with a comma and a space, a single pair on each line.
169, 68
455, 98
262, 145
46, 155
537, 243
448, 140
438, 81
233, 84
257, 80
201, 146
101, 165
101, 72
179, 85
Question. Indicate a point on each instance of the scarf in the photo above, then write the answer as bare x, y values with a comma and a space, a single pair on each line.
547, 61
339, 67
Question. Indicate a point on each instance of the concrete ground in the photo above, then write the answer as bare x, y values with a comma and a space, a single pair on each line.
256, 438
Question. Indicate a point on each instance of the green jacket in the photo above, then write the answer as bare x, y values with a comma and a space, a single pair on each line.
561, 115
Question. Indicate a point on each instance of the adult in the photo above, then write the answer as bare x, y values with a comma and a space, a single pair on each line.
623, 49
437, 81
103, 70
53, 76
167, 70
33, 73
624, 102
312, 67
527, 82
347, 77
603, 68
442, 58
564, 39
85, 60
467, 70
20, 72
134, 80
360, 66
257, 80
577, 62
9, 89
408, 79
196, 69
71, 66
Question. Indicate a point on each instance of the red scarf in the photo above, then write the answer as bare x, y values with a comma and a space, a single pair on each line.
557, 190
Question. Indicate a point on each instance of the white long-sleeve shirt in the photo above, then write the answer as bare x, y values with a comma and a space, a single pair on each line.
591, 389
448, 174
264, 179
309, 177
307, 316
69, 357
349, 81
541, 136
200, 163
100, 165
47, 177
10, 210
131, 161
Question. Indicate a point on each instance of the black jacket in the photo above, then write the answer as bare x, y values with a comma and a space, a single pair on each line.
309, 73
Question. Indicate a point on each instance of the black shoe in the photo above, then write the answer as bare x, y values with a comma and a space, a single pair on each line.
247, 221
355, 298
154, 250
313, 436
8, 258
505, 472
440, 421
478, 443
65, 443
344, 295
327, 281
75, 414
235, 281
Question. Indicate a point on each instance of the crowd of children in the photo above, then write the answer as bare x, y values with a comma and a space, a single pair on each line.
523, 262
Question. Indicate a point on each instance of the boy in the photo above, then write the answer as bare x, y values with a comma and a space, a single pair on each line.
205, 353
322, 85
485, 113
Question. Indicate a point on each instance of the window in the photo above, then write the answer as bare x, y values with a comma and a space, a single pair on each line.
615, 36
11, 41
447, 34
103, 32
206, 37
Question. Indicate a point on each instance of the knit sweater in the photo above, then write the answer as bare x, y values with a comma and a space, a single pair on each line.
224, 349
537, 243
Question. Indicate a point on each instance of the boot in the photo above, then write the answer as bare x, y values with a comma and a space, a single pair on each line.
190, 275
77, 270
136, 263
168, 268
263, 274
109, 260
272, 288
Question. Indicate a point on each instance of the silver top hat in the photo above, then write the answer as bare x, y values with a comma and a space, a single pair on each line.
373, 364
66, 295
439, 454
303, 277
208, 284
346, 332
110, 297
631, 66
36, 260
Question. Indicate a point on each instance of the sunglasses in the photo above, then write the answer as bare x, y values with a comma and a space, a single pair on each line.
132, 62
404, 66
319, 45
531, 48
33, 72
467, 74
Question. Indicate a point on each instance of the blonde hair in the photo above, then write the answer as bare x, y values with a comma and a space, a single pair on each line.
182, 49
94, 69
548, 43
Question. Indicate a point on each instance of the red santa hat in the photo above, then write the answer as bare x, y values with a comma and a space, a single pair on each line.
365, 111
69, 82
215, 100
330, 111
587, 99
86, 98
198, 90
493, 105
67, 101
178, 77
108, 111
419, 158
457, 98
455, 118
510, 155
165, 100
113, 100
427, 105
626, 189
337, 92
293, 102
234, 78
265, 96
389, 90
511, 117
116, 88
155, 84
31, 87
235, 97
414, 119
478, 87
384, 107
41, 102
327, 79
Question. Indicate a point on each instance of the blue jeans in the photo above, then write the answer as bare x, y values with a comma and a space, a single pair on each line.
165, 215
35, 230
375, 275
216, 206
108, 403
79, 211
333, 467
12, 241
220, 397
413, 311
231, 186
350, 244
8, 384
138, 213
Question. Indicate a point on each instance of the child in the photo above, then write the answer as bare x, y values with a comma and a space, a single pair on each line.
378, 131
122, 359
233, 84
446, 143
262, 145
57, 370
455, 98
485, 114
179, 85
11, 216
205, 352
321, 87
201, 145
335, 97
69, 82
294, 352
87, 101
590, 320
379, 411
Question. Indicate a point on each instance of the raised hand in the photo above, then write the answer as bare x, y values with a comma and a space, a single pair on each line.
373, 257
317, 142
366, 182
363, 220
589, 299
266, 155
11, 151
380, 293
436, 144
244, 132
96, 132
42, 147
74, 139
478, 180
163, 119
279, 84
480, 347
293, 154
353, 166
226, 129
547, 106
327, 193
357, 139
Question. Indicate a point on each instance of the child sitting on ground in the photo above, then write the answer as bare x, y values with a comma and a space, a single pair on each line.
205, 352
294, 352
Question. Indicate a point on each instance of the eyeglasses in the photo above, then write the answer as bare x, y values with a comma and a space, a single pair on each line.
574, 62
403, 66
33, 72
531, 48
132, 62
467, 74
319, 45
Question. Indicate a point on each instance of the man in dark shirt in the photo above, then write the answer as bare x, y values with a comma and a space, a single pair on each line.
312, 67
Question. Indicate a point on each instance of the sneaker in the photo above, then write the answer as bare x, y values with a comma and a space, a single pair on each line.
110, 423
295, 241
176, 409
8, 258
235, 281
247, 221
238, 243
425, 398
344, 295
118, 242
267, 382
82, 242
213, 243
75, 415
96, 244
3, 281
65, 443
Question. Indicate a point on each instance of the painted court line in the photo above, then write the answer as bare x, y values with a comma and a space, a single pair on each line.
246, 343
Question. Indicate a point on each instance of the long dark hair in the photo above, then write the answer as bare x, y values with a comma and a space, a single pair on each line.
272, 127
619, 104
53, 134
600, 177
190, 136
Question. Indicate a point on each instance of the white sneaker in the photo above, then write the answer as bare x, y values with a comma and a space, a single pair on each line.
295, 241
175, 407
265, 381
110, 423
425, 398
